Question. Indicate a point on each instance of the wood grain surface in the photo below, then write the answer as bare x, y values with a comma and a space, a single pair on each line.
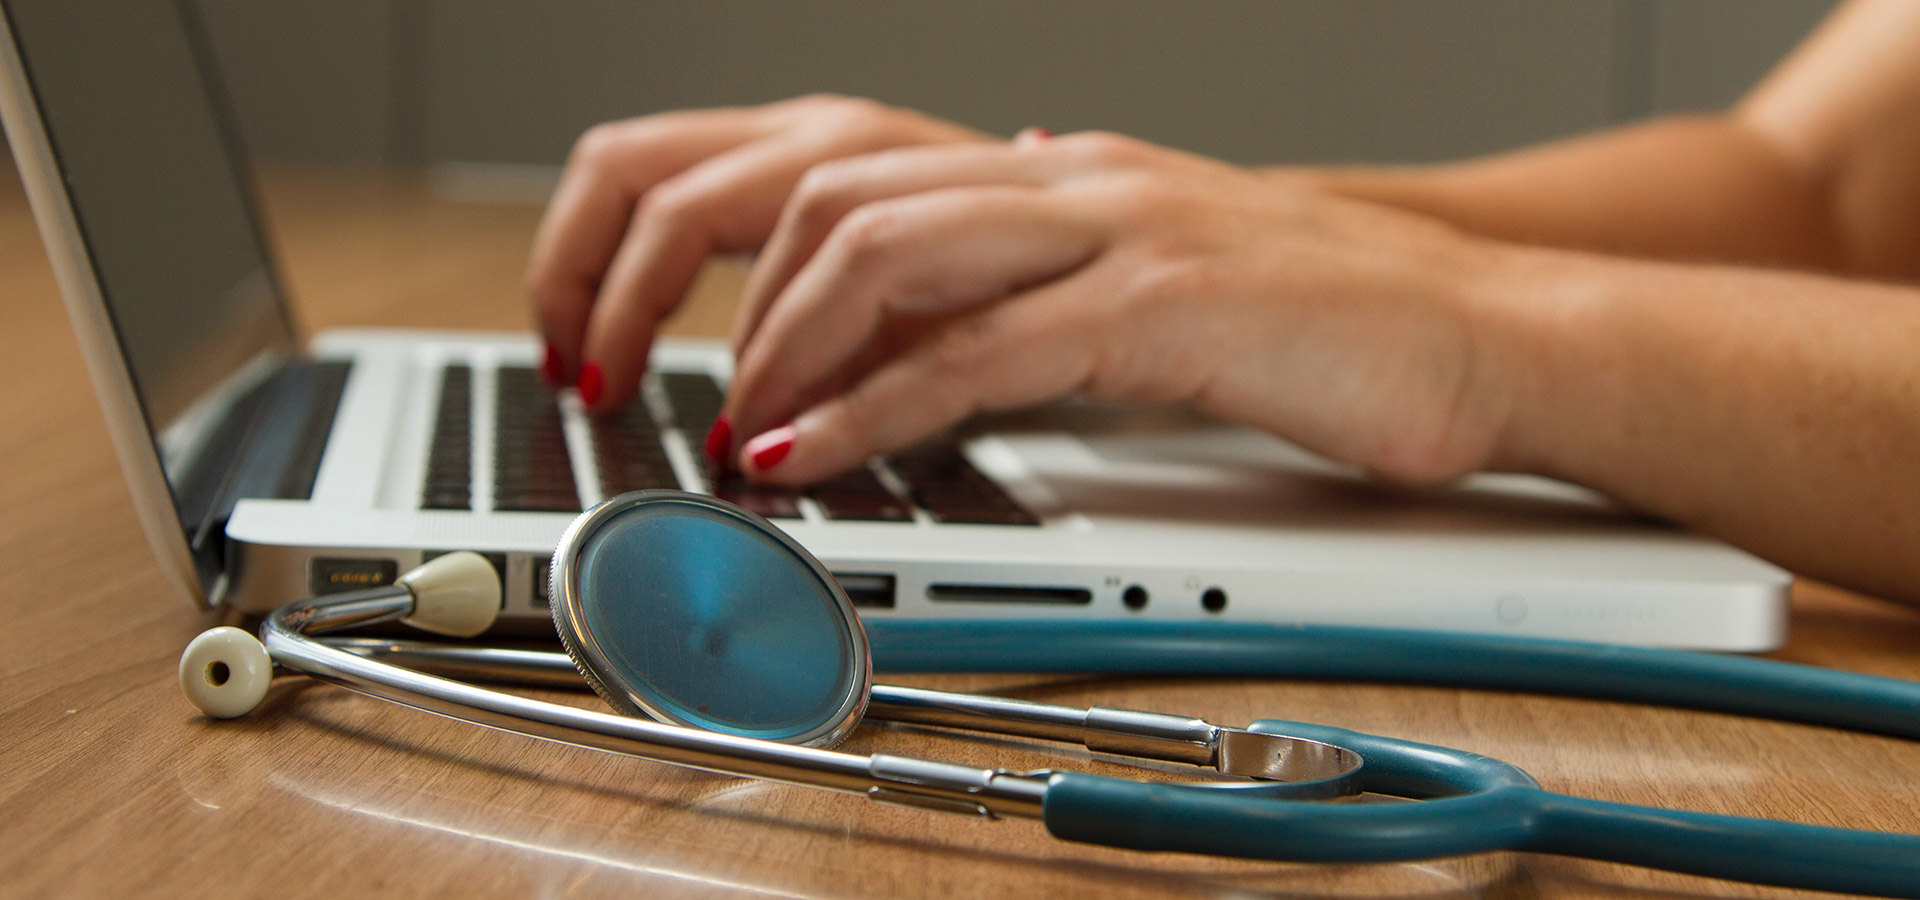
112, 786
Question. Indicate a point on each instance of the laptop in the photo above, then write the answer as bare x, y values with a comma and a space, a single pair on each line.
267, 468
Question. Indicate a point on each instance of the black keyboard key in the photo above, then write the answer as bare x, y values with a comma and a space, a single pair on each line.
450, 499
951, 490
763, 500
859, 496
531, 469
450, 456
696, 400
985, 514
544, 483
538, 502
628, 452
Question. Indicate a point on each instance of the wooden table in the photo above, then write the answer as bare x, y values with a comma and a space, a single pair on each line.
111, 785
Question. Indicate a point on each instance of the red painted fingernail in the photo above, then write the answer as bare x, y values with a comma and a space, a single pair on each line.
1032, 134
591, 381
551, 368
767, 450
719, 441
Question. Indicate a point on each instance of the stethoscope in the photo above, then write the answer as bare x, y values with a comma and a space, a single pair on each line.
725, 646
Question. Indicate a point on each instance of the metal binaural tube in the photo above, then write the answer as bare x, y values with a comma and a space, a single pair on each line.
1321, 770
497, 665
1129, 732
933, 785
348, 609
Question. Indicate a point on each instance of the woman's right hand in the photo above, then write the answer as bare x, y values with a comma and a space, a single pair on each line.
643, 203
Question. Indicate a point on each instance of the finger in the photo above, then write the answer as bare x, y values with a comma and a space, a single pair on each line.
1032, 135
1031, 348
935, 253
831, 190
610, 168
726, 203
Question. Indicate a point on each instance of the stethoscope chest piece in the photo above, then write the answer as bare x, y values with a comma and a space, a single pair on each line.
687, 610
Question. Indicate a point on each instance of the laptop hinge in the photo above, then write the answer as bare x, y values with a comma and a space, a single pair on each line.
279, 455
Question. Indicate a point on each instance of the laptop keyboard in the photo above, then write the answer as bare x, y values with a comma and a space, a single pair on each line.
532, 471
695, 400
450, 463
628, 452
951, 490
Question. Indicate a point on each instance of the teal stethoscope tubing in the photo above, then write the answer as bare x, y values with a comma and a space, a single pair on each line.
1477, 804
1730, 684
1486, 805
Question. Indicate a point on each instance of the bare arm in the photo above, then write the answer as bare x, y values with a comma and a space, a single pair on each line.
1779, 411
1819, 168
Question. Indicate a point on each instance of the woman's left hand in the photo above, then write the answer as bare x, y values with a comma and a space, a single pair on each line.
905, 290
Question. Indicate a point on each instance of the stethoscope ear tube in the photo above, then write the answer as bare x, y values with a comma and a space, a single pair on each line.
1483, 805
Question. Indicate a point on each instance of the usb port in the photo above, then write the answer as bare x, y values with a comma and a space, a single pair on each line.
867, 591
542, 585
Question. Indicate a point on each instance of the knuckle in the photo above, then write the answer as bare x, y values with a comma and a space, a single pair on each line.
1137, 203
819, 196
855, 412
861, 121
598, 147
861, 108
868, 234
538, 285
817, 100
1106, 148
1167, 263
669, 205
963, 346
559, 297
1175, 279
859, 419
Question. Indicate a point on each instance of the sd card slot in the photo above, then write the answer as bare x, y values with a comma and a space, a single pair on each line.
997, 593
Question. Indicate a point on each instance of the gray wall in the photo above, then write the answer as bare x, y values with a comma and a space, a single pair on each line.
428, 81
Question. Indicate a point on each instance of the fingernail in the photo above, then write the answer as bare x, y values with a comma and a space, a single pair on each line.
719, 441
591, 381
1030, 135
767, 450
551, 368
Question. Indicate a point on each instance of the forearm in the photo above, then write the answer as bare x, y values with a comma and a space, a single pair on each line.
1778, 411
1707, 188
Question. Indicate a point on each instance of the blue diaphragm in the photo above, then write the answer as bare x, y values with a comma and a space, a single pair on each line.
690, 610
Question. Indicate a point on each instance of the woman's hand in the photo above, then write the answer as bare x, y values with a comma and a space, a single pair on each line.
643, 202
904, 290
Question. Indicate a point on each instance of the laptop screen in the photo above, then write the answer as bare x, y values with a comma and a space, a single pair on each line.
155, 182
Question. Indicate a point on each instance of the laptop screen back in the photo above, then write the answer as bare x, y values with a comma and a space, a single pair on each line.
155, 183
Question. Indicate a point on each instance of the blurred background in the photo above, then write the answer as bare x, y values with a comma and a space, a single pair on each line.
491, 85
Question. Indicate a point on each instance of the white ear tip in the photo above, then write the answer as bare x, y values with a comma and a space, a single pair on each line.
225, 672
456, 594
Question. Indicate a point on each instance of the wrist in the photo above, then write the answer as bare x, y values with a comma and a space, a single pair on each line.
1478, 350
1539, 330
1401, 187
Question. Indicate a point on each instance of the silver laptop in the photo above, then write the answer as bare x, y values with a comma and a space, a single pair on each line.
265, 469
